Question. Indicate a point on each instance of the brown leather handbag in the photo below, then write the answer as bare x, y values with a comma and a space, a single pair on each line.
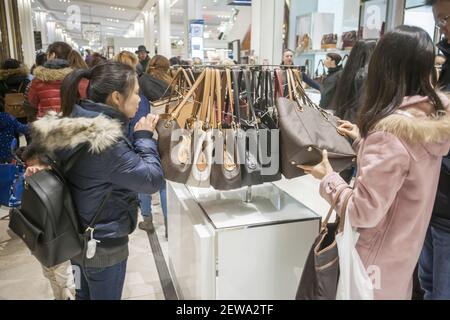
306, 130
320, 275
14, 103
176, 150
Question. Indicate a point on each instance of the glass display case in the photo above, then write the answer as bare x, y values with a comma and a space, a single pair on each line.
249, 243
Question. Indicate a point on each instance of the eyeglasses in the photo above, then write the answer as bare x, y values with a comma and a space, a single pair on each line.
441, 23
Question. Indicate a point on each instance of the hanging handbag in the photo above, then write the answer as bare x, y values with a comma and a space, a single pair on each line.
321, 271
14, 102
179, 87
320, 76
268, 133
226, 173
202, 137
248, 145
306, 130
174, 141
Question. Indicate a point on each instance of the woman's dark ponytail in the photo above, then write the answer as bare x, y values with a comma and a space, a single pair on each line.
69, 90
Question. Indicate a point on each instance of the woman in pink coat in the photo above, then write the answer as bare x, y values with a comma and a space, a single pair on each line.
404, 131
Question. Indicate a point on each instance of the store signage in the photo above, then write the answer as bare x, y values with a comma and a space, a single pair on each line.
374, 18
196, 28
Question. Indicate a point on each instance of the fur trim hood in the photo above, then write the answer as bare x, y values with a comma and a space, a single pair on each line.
55, 70
53, 133
7, 73
415, 123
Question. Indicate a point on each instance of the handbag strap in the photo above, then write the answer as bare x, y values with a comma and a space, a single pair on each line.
237, 108
176, 112
249, 97
278, 78
230, 94
203, 111
323, 227
343, 211
218, 122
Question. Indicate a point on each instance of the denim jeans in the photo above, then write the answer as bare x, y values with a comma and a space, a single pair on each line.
102, 283
146, 202
434, 265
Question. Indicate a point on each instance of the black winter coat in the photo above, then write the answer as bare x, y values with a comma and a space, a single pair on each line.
441, 211
328, 88
153, 89
112, 166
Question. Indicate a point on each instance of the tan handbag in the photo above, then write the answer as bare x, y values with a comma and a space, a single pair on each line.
179, 87
14, 103
306, 130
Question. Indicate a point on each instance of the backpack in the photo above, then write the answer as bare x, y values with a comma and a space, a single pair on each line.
47, 221
14, 103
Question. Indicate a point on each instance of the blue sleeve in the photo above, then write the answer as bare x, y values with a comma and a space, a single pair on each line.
137, 168
310, 82
143, 111
19, 127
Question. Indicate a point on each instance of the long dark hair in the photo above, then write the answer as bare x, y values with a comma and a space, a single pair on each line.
401, 65
348, 92
104, 79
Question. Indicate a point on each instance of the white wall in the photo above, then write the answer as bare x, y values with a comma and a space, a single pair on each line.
241, 25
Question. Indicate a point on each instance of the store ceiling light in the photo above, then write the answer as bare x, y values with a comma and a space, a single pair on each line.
117, 9
64, 1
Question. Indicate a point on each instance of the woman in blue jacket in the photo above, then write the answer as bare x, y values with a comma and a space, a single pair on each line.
109, 175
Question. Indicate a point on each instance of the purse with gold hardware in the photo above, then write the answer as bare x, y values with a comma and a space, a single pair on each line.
306, 130
174, 140
226, 174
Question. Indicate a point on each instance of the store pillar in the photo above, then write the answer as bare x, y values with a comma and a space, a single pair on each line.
26, 30
149, 31
41, 25
164, 28
51, 31
267, 30
192, 11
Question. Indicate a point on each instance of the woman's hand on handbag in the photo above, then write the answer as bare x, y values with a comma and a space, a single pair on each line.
321, 170
348, 129
147, 123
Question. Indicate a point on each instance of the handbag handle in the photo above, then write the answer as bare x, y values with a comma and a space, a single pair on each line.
230, 94
249, 96
176, 112
218, 122
278, 78
236, 75
343, 211
321, 63
323, 227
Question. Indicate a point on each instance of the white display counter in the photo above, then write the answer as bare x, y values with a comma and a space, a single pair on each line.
222, 247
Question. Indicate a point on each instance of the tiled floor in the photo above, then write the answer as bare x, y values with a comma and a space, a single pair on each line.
21, 275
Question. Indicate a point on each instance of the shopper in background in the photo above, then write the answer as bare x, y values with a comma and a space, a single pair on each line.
328, 88
144, 59
174, 61
154, 85
403, 133
107, 176
10, 128
434, 261
88, 58
76, 61
349, 92
44, 94
144, 109
288, 61
41, 59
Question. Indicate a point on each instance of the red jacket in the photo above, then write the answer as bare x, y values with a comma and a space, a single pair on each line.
44, 94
